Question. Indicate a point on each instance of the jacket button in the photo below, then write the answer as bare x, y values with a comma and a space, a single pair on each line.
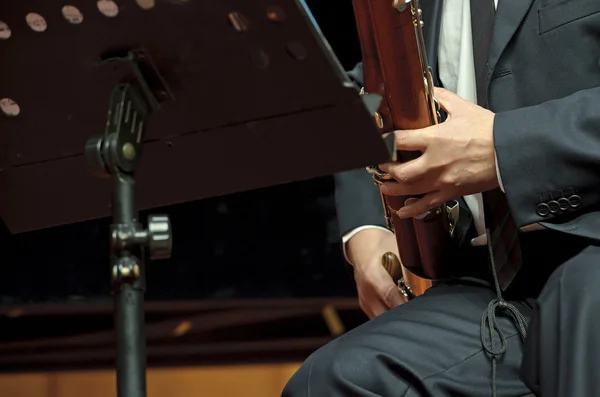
564, 203
575, 201
554, 206
543, 209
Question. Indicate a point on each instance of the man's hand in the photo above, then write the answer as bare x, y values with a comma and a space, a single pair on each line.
458, 157
377, 292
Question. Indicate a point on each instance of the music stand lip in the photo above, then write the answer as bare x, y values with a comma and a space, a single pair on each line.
231, 127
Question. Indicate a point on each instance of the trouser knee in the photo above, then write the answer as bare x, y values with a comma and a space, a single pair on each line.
335, 370
576, 282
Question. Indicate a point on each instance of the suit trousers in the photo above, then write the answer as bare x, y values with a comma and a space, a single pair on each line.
432, 346
562, 349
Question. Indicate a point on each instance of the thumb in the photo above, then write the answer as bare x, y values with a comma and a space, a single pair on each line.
390, 294
448, 100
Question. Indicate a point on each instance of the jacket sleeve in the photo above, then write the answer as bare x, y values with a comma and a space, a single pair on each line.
357, 198
549, 158
357, 201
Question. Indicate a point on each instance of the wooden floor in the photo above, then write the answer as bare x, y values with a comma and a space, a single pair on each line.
232, 381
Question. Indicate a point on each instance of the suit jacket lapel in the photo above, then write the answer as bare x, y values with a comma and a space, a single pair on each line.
508, 18
432, 19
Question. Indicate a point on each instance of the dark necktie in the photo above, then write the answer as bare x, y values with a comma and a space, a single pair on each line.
502, 233
482, 26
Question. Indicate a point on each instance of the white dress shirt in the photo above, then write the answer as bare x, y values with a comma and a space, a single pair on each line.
457, 74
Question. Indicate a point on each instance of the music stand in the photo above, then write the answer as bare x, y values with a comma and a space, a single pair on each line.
223, 96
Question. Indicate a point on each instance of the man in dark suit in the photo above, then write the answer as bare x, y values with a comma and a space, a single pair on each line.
539, 144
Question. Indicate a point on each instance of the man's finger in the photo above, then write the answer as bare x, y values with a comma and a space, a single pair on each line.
391, 296
378, 307
408, 172
422, 205
412, 140
372, 307
409, 178
365, 307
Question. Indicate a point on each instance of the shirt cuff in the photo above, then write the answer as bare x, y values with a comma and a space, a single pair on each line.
348, 235
498, 173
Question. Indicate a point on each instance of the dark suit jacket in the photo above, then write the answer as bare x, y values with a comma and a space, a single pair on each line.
544, 86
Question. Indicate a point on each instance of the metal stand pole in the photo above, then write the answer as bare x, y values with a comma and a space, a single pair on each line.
118, 152
128, 272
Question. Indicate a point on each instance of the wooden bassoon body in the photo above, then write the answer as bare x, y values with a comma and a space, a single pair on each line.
395, 67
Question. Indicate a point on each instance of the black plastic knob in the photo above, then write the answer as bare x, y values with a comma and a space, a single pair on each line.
94, 155
160, 240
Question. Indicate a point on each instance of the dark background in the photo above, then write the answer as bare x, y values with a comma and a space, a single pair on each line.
270, 243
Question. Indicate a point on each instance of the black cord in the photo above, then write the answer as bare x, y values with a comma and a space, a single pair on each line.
489, 323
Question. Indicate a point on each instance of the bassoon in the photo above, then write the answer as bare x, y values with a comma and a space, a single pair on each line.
395, 67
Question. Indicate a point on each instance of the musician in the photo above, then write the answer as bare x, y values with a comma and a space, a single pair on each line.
539, 142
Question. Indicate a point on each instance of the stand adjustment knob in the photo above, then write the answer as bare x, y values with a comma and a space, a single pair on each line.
94, 154
160, 240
